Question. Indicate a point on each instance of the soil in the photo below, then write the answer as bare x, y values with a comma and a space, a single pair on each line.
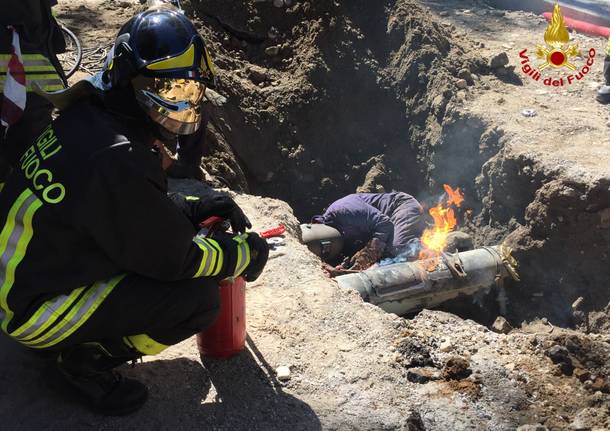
329, 97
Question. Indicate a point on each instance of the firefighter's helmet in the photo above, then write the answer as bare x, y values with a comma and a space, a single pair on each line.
160, 54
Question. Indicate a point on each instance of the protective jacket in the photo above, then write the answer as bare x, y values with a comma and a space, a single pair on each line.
87, 204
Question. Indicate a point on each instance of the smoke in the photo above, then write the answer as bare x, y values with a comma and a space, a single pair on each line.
408, 253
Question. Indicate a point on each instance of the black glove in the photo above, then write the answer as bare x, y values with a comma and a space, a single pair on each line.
259, 253
216, 204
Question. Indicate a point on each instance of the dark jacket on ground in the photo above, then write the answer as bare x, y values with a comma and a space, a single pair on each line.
394, 218
86, 202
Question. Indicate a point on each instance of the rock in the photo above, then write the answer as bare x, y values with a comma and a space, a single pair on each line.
443, 13
422, 375
257, 74
278, 3
461, 83
532, 427
465, 74
583, 421
413, 422
215, 98
456, 368
459, 241
375, 177
446, 346
581, 374
414, 352
345, 347
600, 384
501, 325
499, 61
272, 50
283, 373
557, 354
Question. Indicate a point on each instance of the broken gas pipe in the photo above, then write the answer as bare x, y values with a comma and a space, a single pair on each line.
407, 287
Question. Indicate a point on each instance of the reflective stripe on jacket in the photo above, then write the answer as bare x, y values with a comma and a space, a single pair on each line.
38, 70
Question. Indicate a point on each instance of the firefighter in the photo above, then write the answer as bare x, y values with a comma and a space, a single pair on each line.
373, 225
98, 266
29, 40
603, 94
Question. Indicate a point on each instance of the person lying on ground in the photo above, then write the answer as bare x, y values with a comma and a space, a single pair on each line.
374, 225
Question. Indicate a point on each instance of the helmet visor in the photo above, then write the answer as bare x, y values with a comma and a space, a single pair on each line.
175, 104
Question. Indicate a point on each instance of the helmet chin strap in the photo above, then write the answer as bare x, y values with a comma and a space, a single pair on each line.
161, 132
121, 102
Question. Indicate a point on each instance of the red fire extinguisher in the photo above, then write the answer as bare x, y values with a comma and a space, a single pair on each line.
227, 336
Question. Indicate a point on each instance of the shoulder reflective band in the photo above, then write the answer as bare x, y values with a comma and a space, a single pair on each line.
38, 69
211, 259
45, 82
78, 315
14, 239
144, 344
186, 59
243, 254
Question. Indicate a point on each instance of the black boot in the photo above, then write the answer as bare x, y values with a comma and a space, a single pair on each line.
88, 368
603, 94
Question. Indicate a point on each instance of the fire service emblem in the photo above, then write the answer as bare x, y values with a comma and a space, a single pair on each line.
557, 53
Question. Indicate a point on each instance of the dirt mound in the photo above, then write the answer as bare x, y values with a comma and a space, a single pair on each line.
329, 97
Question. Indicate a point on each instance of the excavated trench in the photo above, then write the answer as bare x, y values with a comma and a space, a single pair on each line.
329, 98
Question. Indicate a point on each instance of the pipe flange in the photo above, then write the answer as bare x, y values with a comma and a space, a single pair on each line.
510, 263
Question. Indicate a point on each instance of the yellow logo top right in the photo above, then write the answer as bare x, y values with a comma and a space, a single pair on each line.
557, 52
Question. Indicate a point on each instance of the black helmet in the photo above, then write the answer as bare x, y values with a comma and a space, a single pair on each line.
162, 56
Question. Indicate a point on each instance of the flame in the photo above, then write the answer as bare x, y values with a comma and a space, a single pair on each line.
557, 34
434, 239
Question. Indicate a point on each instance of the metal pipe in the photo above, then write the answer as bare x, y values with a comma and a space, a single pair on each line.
405, 287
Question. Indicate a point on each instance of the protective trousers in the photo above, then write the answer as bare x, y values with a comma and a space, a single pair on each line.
147, 315
407, 220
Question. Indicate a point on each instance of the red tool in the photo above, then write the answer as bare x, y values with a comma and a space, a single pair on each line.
276, 231
227, 335
212, 222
